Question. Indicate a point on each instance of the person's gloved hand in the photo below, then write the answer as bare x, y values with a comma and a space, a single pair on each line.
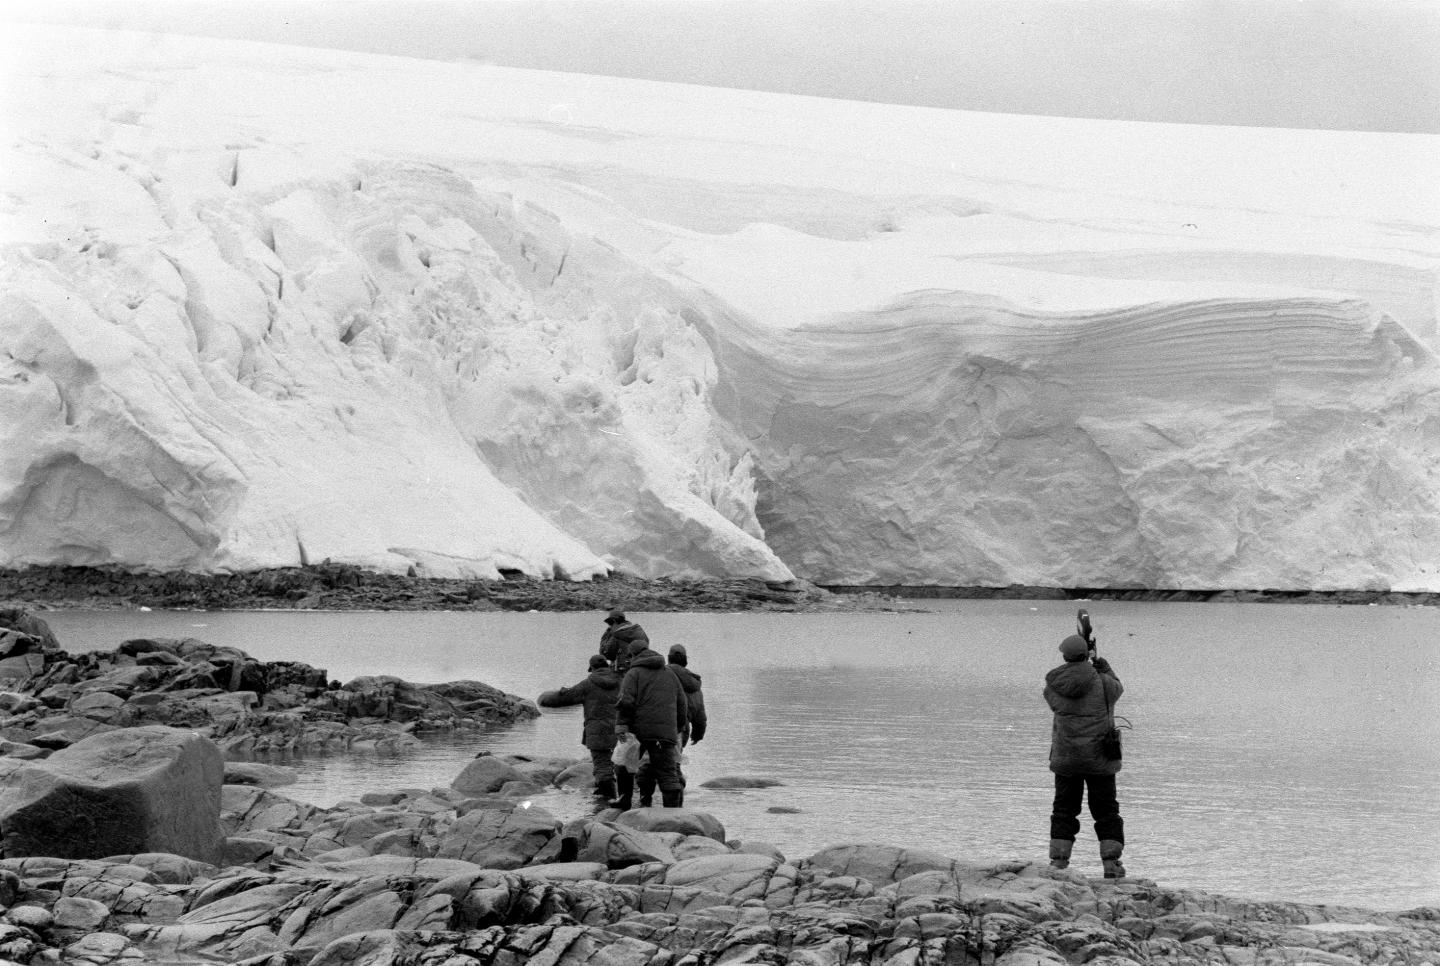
1102, 665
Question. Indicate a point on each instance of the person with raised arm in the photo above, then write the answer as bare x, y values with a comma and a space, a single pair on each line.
1084, 750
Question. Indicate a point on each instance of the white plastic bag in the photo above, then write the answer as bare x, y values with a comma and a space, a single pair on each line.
627, 752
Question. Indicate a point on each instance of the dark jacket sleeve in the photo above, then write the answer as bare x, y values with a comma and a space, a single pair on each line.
682, 707
565, 697
1109, 680
697, 714
625, 709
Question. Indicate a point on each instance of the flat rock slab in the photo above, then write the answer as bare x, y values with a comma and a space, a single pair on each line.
741, 781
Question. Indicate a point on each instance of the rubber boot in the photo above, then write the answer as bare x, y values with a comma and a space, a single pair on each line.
645, 781
1060, 853
606, 790
1110, 858
673, 799
625, 784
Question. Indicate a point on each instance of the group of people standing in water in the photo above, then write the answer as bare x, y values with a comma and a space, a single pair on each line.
640, 711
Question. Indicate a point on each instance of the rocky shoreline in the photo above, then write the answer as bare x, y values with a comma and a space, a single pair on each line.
127, 837
331, 586
50, 699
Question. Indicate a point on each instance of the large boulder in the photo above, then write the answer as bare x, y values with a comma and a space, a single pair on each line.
19, 669
504, 836
617, 847
683, 821
22, 621
150, 789
485, 775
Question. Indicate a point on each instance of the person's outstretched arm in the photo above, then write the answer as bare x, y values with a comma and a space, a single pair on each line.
564, 697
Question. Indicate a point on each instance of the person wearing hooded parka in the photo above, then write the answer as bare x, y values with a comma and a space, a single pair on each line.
620, 635
599, 695
695, 727
1082, 693
653, 707
694, 696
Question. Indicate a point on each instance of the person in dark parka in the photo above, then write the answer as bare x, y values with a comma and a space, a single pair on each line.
694, 697
654, 709
1082, 693
599, 694
695, 712
619, 636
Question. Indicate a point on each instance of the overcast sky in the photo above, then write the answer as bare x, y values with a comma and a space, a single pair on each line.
1343, 64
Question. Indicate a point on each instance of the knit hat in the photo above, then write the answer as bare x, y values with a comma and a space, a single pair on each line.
1074, 647
615, 616
639, 644
677, 654
597, 661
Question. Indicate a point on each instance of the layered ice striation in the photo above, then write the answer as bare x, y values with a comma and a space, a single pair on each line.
265, 305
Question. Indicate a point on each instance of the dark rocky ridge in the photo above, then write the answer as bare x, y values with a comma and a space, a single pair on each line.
50, 699
331, 586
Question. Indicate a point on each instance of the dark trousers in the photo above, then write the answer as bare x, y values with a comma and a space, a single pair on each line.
604, 767
1104, 807
664, 763
645, 779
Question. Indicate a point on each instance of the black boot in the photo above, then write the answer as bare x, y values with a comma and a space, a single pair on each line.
646, 782
625, 783
1110, 850
673, 799
606, 790
1060, 853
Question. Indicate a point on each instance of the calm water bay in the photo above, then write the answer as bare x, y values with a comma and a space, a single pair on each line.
1279, 752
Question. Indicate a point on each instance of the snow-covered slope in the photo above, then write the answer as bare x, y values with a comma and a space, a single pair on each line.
261, 305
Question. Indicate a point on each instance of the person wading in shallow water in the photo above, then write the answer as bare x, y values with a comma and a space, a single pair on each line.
653, 707
1081, 692
695, 727
620, 634
599, 694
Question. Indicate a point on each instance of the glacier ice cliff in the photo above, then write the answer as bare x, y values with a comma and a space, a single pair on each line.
262, 306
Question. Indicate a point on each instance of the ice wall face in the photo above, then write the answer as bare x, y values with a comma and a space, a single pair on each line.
235, 356
1223, 444
349, 369
262, 305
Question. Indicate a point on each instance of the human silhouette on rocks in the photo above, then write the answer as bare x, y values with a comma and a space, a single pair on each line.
1082, 693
